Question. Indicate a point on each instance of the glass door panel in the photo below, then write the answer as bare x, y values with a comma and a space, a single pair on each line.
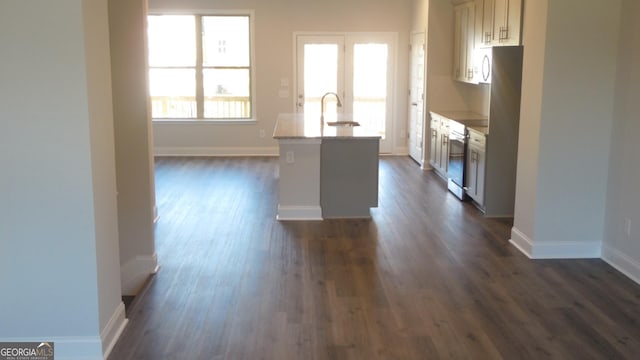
357, 67
370, 86
320, 77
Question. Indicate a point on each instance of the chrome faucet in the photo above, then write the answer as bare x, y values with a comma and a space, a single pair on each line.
322, 106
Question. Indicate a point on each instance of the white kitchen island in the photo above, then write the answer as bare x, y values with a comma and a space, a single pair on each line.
325, 171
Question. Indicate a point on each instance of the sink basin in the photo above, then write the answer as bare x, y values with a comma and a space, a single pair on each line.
343, 123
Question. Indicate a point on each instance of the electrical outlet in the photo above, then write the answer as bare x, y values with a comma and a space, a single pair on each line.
261, 133
290, 158
627, 227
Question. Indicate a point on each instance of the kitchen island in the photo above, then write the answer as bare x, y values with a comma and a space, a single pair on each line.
325, 171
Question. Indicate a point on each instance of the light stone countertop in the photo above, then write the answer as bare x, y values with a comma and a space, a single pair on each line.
467, 118
480, 129
304, 126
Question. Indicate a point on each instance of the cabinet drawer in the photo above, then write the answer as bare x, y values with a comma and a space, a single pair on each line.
477, 139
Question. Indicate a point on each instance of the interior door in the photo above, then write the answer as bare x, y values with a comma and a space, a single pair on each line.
359, 68
416, 99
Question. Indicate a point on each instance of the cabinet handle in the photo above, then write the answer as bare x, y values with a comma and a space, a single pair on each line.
504, 33
487, 38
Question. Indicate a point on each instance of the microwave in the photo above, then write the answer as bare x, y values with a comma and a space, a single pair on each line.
483, 65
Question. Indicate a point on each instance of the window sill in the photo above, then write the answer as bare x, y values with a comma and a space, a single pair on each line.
204, 121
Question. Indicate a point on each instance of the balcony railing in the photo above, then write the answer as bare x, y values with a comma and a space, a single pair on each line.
215, 107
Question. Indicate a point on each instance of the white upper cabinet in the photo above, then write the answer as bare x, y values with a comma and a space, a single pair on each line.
501, 22
464, 42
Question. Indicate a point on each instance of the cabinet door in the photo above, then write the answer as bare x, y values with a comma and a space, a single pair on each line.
482, 160
507, 17
487, 22
501, 22
458, 65
433, 143
513, 22
464, 42
470, 42
500, 29
475, 174
444, 147
471, 172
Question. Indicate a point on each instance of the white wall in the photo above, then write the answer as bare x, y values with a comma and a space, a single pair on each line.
58, 233
420, 15
623, 198
566, 217
444, 93
103, 170
534, 39
134, 142
275, 23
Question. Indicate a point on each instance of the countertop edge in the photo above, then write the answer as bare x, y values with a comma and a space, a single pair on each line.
295, 126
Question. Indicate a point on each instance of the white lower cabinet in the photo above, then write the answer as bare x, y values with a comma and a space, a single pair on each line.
476, 164
439, 147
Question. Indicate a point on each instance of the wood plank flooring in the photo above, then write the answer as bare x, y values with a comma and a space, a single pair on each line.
426, 278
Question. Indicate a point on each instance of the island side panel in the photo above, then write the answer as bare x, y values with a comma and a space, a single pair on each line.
299, 183
349, 177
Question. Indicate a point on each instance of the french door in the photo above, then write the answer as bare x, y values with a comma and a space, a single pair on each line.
357, 67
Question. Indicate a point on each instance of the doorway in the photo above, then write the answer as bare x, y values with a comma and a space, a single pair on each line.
416, 98
358, 67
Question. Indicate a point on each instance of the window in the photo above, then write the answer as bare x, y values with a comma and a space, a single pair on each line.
200, 66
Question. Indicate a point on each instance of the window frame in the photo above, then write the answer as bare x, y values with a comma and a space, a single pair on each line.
199, 67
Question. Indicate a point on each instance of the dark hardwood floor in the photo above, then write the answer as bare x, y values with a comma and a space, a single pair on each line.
426, 278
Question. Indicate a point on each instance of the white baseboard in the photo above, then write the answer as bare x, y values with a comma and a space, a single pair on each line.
135, 272
554, 250
69, 348
112, 331
237, 151
215, 151
401, 150
521, 242
623, 263
299, 213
